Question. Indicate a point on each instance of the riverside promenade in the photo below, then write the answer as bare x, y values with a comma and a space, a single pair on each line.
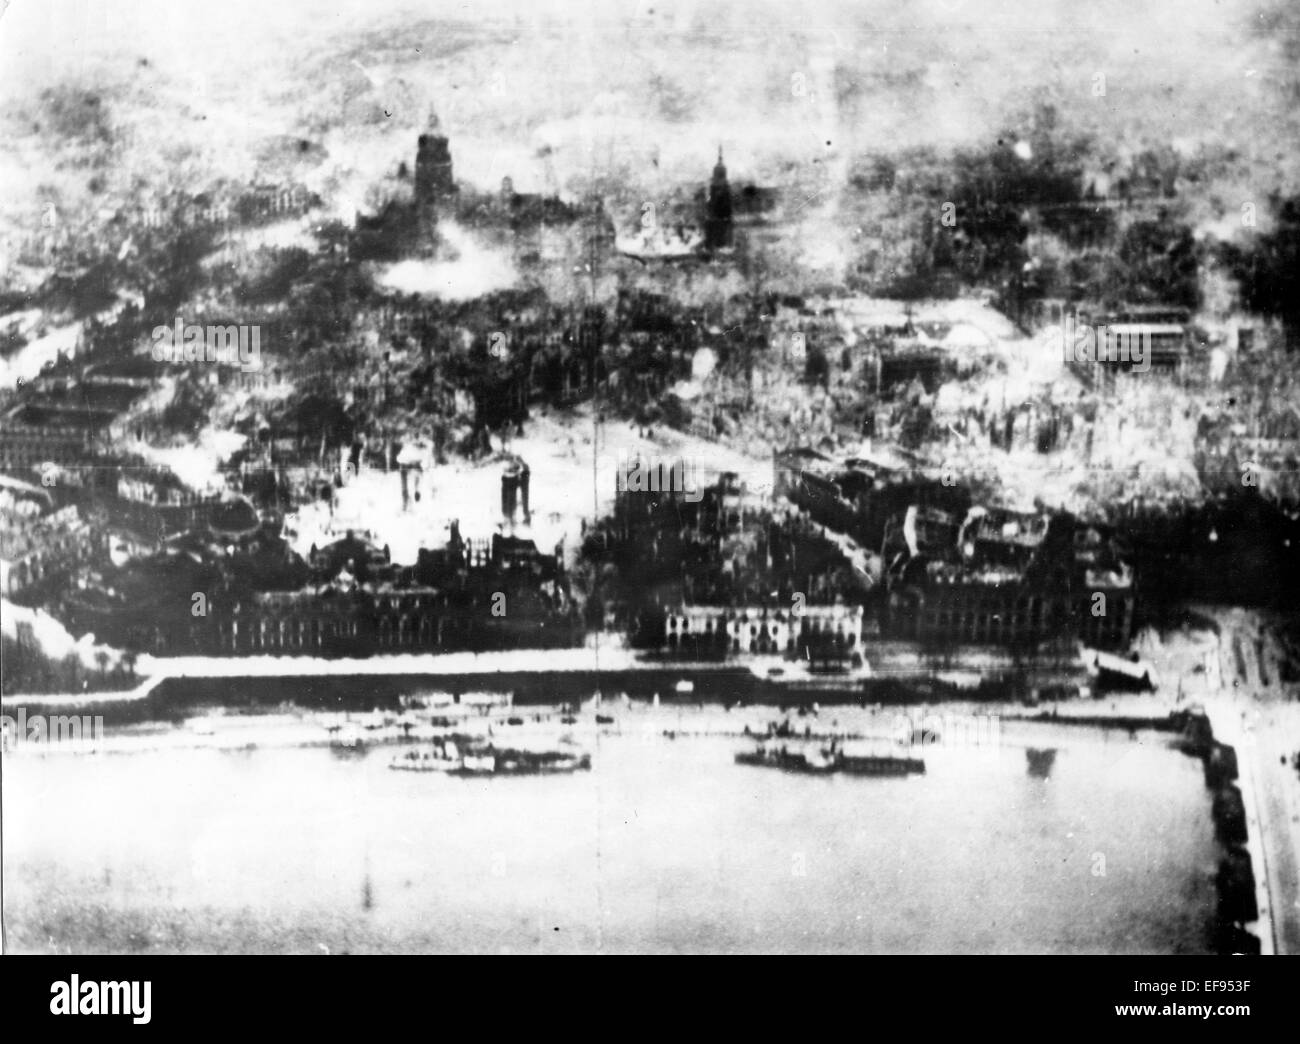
1265, 735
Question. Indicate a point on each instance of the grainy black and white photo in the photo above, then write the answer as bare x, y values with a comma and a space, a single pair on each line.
649, 476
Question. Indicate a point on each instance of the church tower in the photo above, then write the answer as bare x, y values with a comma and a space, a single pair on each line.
717, 225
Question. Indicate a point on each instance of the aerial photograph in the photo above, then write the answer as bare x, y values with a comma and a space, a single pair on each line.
649, 477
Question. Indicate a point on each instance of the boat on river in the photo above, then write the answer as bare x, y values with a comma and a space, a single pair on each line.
487, 760
819, 760
781, 756
522, 763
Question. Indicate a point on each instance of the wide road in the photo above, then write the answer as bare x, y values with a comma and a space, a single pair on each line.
1260, 715
1277, 737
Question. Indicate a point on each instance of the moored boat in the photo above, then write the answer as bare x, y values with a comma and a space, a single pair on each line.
422, 761
881, 765
489, 761
522, 763
814, 762
826, 760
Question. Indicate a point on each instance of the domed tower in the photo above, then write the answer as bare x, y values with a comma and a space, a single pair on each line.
433, 174
717, 225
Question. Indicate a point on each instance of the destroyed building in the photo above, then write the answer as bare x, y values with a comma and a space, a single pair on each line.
998, 577
351, 600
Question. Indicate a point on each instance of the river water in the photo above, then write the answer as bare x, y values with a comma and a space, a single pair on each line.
665, 845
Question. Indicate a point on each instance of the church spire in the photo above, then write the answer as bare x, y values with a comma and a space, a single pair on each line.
717, 224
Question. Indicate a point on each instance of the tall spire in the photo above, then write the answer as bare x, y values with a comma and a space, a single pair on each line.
717, 225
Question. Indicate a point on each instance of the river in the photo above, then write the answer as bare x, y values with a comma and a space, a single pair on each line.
666, 845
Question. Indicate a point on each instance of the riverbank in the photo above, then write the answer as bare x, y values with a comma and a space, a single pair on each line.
897, 672
927, 727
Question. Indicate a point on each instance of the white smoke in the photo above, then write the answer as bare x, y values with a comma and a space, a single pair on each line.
473, 270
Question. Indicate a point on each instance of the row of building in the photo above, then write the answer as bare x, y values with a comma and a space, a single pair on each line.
44, 550
717, 574
813, 633
348, 599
